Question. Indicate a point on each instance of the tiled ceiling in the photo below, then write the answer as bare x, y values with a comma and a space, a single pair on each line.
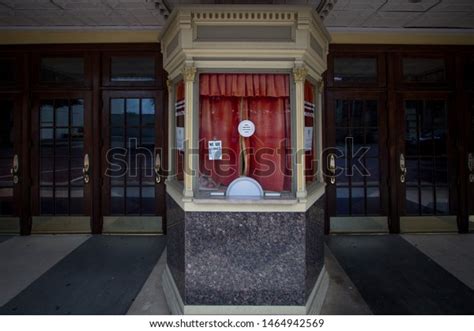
349, 14
447, 14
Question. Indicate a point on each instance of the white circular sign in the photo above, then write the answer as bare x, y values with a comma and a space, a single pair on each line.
246, 128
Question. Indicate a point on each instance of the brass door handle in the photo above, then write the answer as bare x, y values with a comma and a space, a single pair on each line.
157, 168
332, 168
85, 169
403, 168
15, 169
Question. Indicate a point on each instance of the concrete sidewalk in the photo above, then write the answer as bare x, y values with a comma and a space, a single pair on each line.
81, 274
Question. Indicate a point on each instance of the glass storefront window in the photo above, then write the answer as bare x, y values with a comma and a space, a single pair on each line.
310, 130
355, 70
62, 70
424, 70
244, 130
179, 130
132, 69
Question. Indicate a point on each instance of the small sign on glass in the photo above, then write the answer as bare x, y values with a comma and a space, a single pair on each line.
215, 149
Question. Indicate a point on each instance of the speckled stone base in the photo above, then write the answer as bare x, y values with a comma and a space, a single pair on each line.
245, 258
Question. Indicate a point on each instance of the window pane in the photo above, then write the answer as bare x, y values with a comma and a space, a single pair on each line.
7, 71
138, 69
424, 70
6, 128
62, 113
133, 112
117, 200
148, 112
62, 69
355, 70
46, 113
77, 113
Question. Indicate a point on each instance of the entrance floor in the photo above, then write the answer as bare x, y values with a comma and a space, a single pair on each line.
369, 274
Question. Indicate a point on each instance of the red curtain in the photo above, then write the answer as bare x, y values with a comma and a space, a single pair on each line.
227, 99
309, 113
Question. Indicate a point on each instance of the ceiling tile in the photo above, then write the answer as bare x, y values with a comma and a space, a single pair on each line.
346, 18
443, 20
389, 19
406, 5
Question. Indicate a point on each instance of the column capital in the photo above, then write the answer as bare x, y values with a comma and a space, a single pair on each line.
189, 73
300, 73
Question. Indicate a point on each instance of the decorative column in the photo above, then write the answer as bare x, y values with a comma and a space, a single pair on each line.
171, 124
189, 74
299, 76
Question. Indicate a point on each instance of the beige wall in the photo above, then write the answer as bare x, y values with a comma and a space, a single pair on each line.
150, 36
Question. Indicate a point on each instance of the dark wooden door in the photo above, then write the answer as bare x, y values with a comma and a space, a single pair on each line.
357, 133
61, 162
426, 162
470, 164
11, 163
133, 191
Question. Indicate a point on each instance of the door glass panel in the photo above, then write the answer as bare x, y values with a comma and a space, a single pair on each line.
6, 157
426, 70
426, 149
61, 157
132, 156
357, 138
62, 69
355, 70
132, 69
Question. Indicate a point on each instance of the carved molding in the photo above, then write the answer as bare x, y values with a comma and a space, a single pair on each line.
189, 73
300, 73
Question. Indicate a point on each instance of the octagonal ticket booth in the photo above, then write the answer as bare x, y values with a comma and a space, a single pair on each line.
245, 191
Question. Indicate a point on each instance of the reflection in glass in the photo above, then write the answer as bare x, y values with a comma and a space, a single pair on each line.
62, 69
77, 113
355, 70
46, 114
117, 202
61, 200
373, 201
426, 70
358, 200
133, 200
342, 197
148, 112
132, 69
133, 112
148, 200
117, 110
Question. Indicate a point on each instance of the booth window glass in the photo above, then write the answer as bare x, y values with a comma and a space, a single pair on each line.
310, 130
179, 130
355, 70
260, 147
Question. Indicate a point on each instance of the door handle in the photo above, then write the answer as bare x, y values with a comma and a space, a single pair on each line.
85, 169
332, 168
157, 168
15, 169
403, 168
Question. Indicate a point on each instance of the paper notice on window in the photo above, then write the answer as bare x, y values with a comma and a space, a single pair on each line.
215, 149
308, 138
179, 138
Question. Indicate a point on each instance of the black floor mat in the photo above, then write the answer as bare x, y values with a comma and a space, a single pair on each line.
394, 277
102, 276
5, 238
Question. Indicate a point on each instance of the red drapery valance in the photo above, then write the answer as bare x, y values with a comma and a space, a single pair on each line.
244, 85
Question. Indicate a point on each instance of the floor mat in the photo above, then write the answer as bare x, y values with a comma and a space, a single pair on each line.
5, 238
102, 276
394, 277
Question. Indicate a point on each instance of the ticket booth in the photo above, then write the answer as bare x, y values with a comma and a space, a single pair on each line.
245, 186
